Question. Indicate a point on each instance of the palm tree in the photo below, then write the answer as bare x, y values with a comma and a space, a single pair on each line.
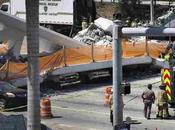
32, 28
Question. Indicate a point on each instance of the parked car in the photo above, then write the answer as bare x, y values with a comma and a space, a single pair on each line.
11, 96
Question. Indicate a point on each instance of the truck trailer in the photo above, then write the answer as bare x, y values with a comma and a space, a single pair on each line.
63, 16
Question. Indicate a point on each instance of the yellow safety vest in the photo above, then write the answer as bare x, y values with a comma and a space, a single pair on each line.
84, 25
167, 57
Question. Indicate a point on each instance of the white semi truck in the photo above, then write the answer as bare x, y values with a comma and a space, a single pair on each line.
58, 15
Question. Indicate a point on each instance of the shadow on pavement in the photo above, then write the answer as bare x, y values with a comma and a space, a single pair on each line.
44, 127
130, 121
57, 117
168, 118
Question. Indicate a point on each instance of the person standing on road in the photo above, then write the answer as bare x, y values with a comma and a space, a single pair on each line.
162, 105
148, 97
111, 105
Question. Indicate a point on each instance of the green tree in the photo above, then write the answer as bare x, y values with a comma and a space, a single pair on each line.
128, 8
32, 29
2, 1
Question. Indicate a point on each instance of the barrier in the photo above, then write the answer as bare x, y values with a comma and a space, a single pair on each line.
45, 108
107, 93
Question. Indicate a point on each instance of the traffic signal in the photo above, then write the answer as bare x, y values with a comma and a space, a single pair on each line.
126, 88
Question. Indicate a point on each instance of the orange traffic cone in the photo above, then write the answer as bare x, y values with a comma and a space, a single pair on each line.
45, 108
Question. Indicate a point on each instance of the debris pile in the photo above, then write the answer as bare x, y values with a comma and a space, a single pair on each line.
99, 33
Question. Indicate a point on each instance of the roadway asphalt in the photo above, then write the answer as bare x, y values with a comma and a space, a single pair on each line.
81, 107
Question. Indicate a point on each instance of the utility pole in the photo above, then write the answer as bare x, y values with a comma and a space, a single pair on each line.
152, 12
33, 87
169, 25
117, 76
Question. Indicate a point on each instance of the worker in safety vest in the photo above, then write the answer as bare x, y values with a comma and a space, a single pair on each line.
148, 97
111, 106
168, 52
84, 24
117, 16
162, 105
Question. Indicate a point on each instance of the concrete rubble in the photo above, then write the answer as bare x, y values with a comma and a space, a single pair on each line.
99, 33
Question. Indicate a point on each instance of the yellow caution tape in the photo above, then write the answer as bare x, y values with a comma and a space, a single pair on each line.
14, 108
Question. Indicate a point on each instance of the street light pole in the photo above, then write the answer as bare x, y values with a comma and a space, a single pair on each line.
117, 76
152, 12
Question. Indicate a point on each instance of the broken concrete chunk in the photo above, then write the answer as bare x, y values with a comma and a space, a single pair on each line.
104, 24
96, 33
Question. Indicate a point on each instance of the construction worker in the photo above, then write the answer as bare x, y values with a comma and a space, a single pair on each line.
84, 24
166, 55
169, 54
111, 106
117, 16
148, 97
162, 106
128, 22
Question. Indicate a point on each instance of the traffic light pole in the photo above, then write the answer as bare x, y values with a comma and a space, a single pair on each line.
117, 76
